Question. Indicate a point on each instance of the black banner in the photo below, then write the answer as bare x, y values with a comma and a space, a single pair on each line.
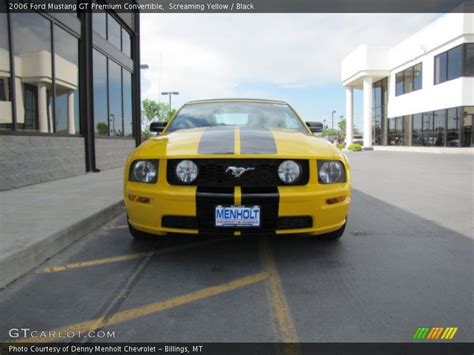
240, 6
241, 348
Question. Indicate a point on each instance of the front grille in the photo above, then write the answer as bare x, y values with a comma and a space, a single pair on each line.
212, 172
297, 222
187, 222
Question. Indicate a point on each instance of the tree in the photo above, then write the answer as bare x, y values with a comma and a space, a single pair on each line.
152, 112
170, 114
342, 128
102, 129
329, 132
150, 109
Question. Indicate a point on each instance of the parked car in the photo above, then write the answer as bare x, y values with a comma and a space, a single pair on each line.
358, 139
236, 167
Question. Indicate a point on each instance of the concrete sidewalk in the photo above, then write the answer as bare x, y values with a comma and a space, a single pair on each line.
39, 220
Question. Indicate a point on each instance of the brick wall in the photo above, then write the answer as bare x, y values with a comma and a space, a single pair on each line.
27, 160
112, 152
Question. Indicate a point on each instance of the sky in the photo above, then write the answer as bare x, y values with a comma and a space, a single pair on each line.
290, 57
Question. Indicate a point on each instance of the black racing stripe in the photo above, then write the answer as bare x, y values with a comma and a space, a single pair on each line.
257, 141
217, 140
268, 199
207, 198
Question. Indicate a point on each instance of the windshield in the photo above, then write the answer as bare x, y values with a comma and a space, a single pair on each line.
240, 114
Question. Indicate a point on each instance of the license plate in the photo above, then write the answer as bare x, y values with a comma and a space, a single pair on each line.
237, 216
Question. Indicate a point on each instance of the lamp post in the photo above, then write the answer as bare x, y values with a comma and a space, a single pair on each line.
332, 114
169, 93
112, 119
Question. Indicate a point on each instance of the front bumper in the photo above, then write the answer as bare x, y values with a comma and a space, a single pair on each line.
284, 210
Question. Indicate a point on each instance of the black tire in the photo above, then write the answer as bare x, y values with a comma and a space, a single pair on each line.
334, 235
138, 235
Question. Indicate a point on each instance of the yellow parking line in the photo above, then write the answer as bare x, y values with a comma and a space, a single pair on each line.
277, 297
138, 312
114, 259
96, 262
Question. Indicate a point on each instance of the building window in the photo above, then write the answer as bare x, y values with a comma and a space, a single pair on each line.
455, 62
469, 60
101, 120
439, 127
467, 136
36, 108
379, 110
428, 129
66, 49
33, 83
417, 127
441, 72
395, 131
112, 98
417, 77
115, 99
452, 64
434, 125
127, 104
399, 83
409, 80
453, 127
6, 117
109, 28
114, 31
3, 96
126, 43
99, 23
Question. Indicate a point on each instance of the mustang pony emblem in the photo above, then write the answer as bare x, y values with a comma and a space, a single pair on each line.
238, 171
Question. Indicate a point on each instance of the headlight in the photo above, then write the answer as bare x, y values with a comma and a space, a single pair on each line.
144, 171
289, 172
331, 171
186, 171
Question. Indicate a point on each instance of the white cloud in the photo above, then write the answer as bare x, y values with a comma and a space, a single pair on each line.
218, 55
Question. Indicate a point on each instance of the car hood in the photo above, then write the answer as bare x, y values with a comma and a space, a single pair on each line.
236, 142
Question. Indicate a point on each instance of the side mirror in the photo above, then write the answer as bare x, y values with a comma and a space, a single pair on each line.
315, 127
157, 126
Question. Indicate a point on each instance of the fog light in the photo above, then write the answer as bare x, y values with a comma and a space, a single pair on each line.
332, 201
136, 198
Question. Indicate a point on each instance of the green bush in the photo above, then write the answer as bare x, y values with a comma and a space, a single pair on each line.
355, 147
341, 146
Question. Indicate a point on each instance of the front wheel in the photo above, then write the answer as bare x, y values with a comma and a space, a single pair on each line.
138, 235
334, 235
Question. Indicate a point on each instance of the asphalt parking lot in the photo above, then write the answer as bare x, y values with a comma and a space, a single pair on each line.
404, 262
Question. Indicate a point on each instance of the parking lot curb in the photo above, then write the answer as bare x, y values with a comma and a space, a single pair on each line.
16, 265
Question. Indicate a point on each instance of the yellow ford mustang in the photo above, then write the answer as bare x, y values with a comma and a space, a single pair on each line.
237, 167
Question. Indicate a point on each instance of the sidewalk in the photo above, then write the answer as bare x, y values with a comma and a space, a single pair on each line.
38, 221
